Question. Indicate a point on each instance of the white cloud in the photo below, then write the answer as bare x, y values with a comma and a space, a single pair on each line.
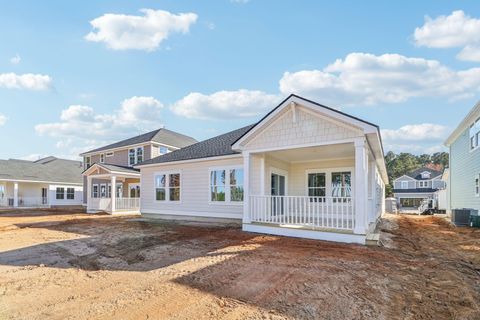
121, 32
16, 59
27, 81
367, 79
225, 104
82, 127
240, 1
453, 31
416, 138
3, 119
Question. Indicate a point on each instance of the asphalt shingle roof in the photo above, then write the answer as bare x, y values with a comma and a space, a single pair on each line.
419, 190
217, 146
162, 135
49, 169
417, 174
114, 167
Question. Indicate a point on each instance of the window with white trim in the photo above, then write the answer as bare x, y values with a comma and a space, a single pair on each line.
477, 185
226, 185
135, 155
423, 184
167, 186
95, 191
86, 163
103, 191
70, 193
60, 193
317, 184
162, 150
404, 184
102, 157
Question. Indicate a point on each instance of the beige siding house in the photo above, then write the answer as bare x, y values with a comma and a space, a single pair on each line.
304, 170
110, 182
47, 182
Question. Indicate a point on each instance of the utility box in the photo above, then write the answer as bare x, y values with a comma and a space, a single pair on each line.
474, 219
461, 217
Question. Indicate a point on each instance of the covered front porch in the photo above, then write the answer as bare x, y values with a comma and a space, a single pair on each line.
329, 192
112, 189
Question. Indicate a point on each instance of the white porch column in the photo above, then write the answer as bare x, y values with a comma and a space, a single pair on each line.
113, 193
15, 194
89, 192
262, 175
246, 188
361, 186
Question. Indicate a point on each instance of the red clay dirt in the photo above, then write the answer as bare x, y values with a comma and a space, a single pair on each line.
77, 266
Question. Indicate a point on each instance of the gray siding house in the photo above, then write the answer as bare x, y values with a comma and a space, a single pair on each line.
112, 165
464, 145
414, 187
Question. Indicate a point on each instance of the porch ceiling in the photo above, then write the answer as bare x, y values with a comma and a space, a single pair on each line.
328, 152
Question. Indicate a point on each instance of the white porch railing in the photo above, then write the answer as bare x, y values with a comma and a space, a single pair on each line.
101, 204
32, 201
127, 204
314, 212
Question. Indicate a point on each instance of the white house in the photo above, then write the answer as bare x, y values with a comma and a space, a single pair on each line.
47, 182
304, 170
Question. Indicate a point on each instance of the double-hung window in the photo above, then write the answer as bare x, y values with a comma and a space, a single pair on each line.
102, 157
317, 184
404, 184
342, 184
70, 193
167, 186
60, 193
95, 191
474, 134
226, 185
86, 162
135, 155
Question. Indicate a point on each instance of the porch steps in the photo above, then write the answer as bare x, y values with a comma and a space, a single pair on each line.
372, 239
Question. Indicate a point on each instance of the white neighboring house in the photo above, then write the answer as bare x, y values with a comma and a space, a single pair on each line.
414, 187
47, 182
304, 170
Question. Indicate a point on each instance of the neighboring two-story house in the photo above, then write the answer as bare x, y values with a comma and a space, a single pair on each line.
464, 145
110, 182
412, 188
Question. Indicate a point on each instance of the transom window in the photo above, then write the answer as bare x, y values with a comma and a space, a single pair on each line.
70, 193
226, 185
135, 155
60, 193
167, 186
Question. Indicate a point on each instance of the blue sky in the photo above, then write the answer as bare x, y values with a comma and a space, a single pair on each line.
74, 76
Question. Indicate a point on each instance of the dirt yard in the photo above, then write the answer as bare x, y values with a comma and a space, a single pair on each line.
78, 266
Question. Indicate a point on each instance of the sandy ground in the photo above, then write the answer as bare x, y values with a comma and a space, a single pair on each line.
78, 266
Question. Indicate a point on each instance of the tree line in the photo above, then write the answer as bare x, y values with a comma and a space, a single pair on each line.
402, 163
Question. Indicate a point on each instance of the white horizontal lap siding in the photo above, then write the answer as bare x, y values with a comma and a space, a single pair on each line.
194, 188
52, 194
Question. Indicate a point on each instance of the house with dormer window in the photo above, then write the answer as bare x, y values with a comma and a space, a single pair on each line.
414, 187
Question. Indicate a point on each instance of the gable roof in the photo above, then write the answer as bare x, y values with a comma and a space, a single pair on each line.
417, 174
214, 147
163, 136
111, 168
470, 118
294, 96
49, 169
